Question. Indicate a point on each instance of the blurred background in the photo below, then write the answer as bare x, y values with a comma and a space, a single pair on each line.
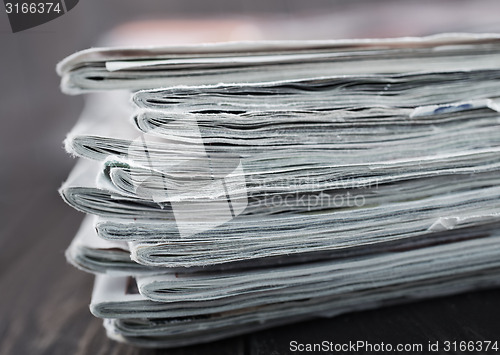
43, 300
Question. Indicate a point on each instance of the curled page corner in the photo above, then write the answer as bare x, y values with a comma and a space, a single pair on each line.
494, 104
444, 223
452, 222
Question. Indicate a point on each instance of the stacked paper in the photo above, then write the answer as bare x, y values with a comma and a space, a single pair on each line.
247, 185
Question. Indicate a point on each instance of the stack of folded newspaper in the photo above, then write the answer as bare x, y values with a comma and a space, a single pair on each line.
247, 185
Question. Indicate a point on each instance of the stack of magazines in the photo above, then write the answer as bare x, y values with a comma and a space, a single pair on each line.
237, 186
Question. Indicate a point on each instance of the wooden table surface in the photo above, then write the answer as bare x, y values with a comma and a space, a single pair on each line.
44, 301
